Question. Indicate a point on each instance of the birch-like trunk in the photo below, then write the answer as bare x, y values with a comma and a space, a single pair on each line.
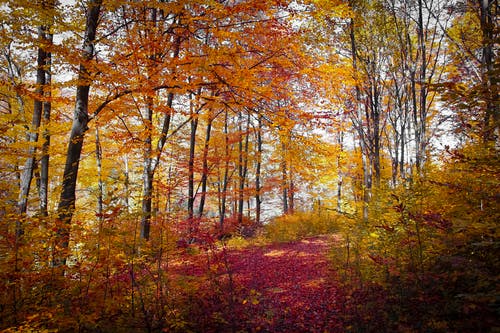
242, 167
258, 198
47, 109
32, 136
191, 191
225, 178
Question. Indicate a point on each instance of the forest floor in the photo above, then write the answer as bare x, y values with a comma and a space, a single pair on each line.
304, 286
280, 287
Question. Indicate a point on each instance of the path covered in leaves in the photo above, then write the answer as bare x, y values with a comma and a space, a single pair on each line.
284, 287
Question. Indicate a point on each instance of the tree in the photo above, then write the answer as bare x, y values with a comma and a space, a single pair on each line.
66, 205
470, 81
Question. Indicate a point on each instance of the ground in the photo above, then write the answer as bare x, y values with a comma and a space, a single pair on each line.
282, 287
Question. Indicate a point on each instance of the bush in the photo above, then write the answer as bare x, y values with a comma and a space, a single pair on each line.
299, 225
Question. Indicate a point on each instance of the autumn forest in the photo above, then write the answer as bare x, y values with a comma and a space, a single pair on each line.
249, 166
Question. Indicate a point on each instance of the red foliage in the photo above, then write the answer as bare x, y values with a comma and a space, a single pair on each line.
277, 288
433, 220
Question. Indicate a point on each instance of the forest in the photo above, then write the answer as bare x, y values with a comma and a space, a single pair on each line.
249, 166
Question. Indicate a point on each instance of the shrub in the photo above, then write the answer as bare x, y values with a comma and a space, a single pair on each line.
295, 226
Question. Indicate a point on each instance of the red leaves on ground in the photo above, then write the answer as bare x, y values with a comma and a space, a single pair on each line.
277, 288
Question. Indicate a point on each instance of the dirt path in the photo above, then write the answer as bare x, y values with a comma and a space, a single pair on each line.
288, 286
283, 287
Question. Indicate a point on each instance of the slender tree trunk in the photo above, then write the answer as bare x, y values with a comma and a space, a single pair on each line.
284, 179
367, 181
27, 174
126, 183
242, 167
403, 142
365, 163
376, 133
151, 160
47, 109
258, 199
150, 165
339, 171
239, 206
204, 175
191, 192
100, 183
147, 175
147, 171
491, 123
421, 111
291, 191
225, 180
416, 128
395, 162
66, 205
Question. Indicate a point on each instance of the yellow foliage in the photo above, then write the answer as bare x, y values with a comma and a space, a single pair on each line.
299, 225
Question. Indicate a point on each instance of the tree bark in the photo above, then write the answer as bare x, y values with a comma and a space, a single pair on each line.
284, 179
204, 174
66, 205
32, 136
47, 109
258, 198
491, 124
242, 167
366, 186
339, 171
420, 112
225, 179
191, 192
147, 175
100, 182
151, 160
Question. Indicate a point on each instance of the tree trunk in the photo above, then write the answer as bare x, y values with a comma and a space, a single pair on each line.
421, 111
66, 205
191, 192
366, 187
491, 123
376, 133
339, 171
147, 174
100, 183
151, 160
204, 175
284, 179
32, 137
47, 109
126, 183
225, 180
242, 167
258, 199
291, 191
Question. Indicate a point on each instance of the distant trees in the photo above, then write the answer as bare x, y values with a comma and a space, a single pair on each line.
398, 56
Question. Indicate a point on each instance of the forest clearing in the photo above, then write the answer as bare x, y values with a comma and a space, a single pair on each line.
249, 166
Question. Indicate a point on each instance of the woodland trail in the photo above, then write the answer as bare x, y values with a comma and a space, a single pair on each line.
282, 287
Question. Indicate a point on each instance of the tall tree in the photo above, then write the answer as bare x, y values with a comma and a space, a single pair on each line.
205, 166
488, 10
66, 207
43, 42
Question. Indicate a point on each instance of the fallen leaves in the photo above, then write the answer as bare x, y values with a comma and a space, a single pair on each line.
274, 288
